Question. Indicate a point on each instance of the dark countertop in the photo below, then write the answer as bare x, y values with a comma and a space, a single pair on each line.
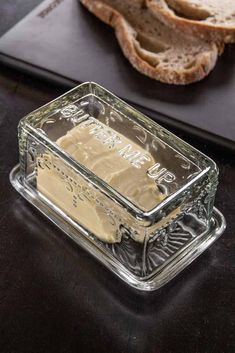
54, 297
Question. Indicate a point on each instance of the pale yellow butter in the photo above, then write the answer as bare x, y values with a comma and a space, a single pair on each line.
116, 160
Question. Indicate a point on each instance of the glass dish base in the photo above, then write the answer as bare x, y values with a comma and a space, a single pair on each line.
165, 272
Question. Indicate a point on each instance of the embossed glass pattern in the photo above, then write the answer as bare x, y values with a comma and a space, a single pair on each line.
133, 194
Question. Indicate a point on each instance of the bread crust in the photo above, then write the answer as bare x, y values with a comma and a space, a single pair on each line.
126, 36
202, 29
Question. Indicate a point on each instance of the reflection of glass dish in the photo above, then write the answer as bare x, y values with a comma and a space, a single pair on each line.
137, 197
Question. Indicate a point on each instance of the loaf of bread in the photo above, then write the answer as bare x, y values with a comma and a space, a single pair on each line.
151, 46
213, 20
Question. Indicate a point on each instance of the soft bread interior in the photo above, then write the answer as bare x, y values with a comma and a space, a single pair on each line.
188, 10
151, 44
217, 14
152, 47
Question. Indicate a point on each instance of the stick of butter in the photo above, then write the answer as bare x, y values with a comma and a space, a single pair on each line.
110, 156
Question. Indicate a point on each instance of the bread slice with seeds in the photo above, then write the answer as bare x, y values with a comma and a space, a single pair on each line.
151, 46
208, 19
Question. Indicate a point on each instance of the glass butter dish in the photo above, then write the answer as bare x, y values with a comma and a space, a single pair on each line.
134, 195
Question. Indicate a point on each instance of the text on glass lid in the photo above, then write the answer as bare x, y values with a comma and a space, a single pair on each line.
111, 139
108, 137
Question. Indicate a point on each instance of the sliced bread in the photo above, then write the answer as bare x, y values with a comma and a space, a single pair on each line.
152, 47
208, 19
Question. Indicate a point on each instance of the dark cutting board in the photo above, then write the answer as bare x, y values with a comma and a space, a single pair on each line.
61, 41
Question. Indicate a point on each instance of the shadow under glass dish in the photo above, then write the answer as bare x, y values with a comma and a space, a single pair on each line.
134, 195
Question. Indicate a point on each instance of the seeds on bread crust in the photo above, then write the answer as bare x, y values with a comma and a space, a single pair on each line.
152, 47
208, 19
